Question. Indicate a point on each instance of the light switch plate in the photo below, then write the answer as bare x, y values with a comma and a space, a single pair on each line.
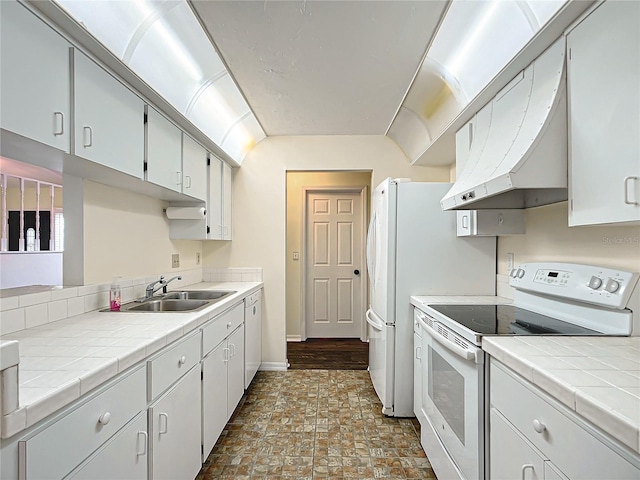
175, 260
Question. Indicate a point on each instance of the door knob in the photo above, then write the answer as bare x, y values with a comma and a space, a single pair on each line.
356, 271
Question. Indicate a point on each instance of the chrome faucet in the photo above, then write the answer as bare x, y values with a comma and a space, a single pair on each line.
151, 288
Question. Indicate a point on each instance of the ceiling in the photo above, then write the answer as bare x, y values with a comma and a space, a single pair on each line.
322, 67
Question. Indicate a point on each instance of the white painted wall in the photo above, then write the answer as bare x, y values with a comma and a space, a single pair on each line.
127, 235
548, 238
30, 268
259, 209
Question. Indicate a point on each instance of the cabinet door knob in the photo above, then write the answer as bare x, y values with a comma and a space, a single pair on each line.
87, 133
105, 418
182, 360
538, 426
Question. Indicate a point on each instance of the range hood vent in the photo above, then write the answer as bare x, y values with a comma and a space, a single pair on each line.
513, 152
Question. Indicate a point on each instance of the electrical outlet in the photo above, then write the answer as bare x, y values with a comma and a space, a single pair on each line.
198, 258
296, 255
509, 261
175, 260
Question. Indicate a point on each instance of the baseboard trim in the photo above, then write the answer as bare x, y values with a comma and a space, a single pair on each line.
294, 338
273, 366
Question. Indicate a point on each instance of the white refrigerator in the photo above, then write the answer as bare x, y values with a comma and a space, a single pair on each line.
412, 249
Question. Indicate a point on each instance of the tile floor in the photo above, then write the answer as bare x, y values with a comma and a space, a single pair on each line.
312, 424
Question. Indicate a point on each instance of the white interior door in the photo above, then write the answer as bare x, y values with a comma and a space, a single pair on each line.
334, 303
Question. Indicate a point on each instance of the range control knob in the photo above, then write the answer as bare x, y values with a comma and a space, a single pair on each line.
520, 273
514, 272
612, 286
595, 282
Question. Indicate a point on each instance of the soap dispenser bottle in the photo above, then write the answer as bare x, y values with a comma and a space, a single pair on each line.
115, 296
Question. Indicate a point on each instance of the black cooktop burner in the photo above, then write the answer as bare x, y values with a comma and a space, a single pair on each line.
508, 320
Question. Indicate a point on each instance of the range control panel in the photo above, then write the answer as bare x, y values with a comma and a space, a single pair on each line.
583, 283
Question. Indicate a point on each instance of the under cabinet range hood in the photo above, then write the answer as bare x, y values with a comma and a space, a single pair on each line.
513, 153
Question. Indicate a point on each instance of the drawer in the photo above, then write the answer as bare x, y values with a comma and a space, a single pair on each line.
166, 368
59, 448
562, 435
221, 327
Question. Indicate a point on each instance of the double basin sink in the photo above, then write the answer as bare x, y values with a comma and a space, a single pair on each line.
180, 301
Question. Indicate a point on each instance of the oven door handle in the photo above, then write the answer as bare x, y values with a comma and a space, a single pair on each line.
377, 325
461, 352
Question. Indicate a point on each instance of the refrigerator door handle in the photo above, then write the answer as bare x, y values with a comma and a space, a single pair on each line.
370, 246
374, 322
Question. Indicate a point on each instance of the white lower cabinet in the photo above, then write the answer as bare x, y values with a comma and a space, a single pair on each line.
532, 436
223, 368
56, 449
123, 457
512, 456
174, 443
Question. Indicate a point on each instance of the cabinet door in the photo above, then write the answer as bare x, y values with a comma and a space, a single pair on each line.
35, 78
123, 457
604, 115
214, 396
511, 456
194, 168
226, 201
164, 152
235, 382
214, 208
175, 430
109, 119
417, 376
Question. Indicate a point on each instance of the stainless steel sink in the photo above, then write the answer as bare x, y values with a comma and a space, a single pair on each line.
199, 294
164, 305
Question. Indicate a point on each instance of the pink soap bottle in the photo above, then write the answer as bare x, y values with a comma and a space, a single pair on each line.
115, 296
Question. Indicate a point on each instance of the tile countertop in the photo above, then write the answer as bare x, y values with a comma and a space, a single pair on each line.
597, 377
63, 360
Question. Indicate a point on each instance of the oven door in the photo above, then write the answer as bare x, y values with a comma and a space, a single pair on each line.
453, 397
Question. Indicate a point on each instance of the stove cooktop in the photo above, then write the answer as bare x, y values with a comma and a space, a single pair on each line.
508, 320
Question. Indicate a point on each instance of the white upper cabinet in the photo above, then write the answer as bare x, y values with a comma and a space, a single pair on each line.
194, 168
109, 119
164, 152
226, 201
35, 78
604, 116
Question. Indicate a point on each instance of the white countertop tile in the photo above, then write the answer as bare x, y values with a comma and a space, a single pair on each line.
62, 360
597, 377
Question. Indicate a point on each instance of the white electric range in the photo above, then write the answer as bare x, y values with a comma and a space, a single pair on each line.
451, 398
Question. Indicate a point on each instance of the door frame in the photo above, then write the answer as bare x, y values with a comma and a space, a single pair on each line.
363, 191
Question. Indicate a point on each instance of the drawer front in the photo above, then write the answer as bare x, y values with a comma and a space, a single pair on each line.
55, 451
169, 366
221, 327
561, 437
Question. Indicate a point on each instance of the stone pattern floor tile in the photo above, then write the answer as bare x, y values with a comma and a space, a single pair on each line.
315, 424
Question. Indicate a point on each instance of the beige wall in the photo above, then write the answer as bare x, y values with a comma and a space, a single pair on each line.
294, 198
30, 196
259, 209
549, 238
127, 235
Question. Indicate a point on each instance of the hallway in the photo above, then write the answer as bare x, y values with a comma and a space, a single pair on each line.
311, 424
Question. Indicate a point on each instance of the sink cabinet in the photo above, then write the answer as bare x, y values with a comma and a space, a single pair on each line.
35, 78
